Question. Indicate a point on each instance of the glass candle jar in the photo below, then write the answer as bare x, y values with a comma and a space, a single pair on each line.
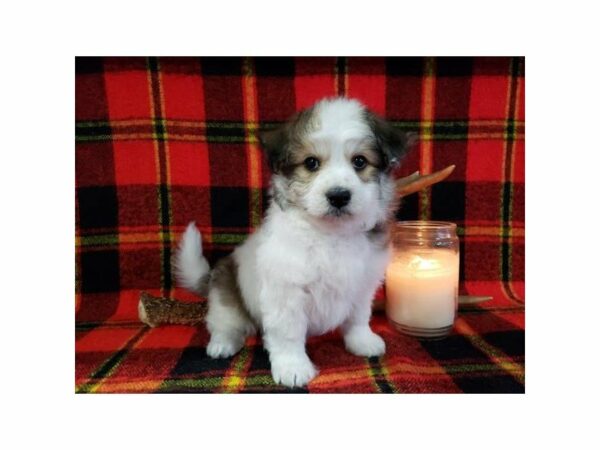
422, 279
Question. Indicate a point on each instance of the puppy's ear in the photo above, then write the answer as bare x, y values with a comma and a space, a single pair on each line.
274, 143
392, 143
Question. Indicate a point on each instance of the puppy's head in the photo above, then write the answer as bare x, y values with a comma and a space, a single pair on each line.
333, 162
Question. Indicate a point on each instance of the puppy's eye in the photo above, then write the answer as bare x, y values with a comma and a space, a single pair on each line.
359, 162
311, 163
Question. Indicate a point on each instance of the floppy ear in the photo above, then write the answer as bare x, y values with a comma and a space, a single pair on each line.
392, 143
275, 143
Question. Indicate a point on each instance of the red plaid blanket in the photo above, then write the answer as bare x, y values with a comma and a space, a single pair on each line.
162, 141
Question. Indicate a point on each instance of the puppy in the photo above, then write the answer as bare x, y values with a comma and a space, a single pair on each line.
320, 254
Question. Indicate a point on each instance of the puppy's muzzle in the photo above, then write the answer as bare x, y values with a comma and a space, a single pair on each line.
338, 197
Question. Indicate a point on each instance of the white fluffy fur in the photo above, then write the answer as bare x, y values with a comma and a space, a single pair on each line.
190, 264
302, 272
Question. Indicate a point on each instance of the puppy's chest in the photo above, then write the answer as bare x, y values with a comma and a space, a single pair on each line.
340, 274
337, 263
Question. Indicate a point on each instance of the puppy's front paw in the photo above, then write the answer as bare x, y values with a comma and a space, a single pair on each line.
364, 342
223, 346
292, 371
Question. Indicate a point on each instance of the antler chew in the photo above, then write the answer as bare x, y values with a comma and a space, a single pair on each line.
415, 182
155, 311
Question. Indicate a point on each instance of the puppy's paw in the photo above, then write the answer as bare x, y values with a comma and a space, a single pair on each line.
223, 346
293, 371
364, 342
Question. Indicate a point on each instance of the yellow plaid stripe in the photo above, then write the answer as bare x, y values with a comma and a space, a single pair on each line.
254, 154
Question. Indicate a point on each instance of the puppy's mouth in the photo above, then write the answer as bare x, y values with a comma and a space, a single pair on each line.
337, 213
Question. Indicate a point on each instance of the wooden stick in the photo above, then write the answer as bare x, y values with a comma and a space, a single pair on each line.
471, 299
415, 182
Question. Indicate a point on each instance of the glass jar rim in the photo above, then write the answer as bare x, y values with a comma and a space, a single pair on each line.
424, 225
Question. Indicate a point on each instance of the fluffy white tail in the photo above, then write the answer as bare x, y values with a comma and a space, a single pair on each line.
191, 267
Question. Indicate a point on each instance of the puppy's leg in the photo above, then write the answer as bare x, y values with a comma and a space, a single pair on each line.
358, 336
227, 320
285, 327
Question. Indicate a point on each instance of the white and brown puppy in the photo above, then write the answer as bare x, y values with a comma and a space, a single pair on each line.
320, 254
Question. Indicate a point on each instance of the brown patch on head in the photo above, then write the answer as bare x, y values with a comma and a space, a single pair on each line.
285, 146
286, 149
295, 169
374, 162
392, 144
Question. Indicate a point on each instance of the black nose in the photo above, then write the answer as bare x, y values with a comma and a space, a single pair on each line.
338, 197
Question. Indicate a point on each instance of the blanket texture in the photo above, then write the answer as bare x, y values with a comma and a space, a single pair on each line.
163, 141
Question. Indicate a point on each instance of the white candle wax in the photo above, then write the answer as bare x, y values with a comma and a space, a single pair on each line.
422, 288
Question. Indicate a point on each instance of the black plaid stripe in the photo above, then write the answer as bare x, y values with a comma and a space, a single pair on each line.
455, 66
221, 66
100, 272
88, 64
448, 201
230, 207
98, 207
383, 385
233, 131
402, 67
275, 66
